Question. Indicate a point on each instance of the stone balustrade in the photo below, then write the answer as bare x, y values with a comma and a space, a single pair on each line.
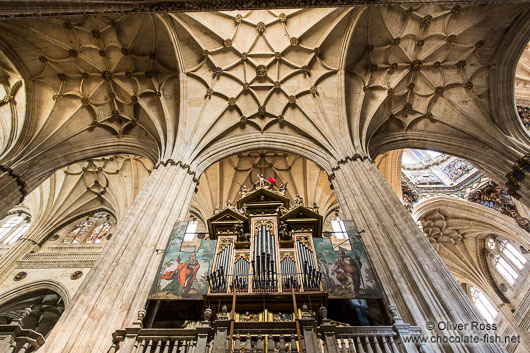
15, 339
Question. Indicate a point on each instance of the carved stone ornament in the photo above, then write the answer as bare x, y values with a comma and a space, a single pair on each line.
261, 71
141, 314
20, 276
76, 275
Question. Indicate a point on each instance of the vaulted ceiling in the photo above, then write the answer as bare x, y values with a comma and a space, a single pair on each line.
175, 85
222, 181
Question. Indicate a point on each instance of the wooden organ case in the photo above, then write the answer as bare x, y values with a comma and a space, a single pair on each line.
265, 257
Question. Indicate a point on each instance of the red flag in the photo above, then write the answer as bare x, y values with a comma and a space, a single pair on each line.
272, 180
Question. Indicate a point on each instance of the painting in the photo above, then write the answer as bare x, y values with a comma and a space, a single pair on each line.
182, 274
346, 270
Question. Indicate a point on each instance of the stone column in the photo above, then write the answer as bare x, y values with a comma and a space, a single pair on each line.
118, 285
412, 275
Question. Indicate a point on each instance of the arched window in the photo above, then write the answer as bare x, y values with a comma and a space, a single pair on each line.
505, 269
191, 230
79, 232
102, 228
91, 230
507, 259
339, 230
484, 306
512, 254
12, 228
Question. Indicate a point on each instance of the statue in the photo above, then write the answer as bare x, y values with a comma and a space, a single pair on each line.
243, 189
284, 231
306, 314
281, 210
223, 315
216, 211
298, 201
240, 232
261, 181
243, 210
283, 188
248, 317
315, 207
228, 204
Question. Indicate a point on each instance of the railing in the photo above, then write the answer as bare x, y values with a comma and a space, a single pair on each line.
160, 340
301, 336
366, 339
265, 337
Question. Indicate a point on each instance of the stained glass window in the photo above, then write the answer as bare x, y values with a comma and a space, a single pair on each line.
99, 232
79, 232
92, 230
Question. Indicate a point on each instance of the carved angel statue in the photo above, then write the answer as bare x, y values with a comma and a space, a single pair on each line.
298, 201
284, 231
315, 207
283, 188
243, 189
216, 210
281, 210
262, 181
228, 203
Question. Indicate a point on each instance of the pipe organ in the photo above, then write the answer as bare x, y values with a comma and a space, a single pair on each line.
264, 277
310, 276
264, 245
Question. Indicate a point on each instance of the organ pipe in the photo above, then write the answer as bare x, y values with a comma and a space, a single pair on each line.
263, 262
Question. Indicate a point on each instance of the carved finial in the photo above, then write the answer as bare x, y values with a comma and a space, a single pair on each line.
207, 314
395, 315
323, 312
24, 313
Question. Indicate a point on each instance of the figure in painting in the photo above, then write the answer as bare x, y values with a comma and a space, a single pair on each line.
182, 277
348, 271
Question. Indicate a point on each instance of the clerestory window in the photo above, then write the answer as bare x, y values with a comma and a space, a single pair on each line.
484, 306
13, 228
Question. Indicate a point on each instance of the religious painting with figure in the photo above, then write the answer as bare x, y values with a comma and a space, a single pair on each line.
182, 274
346, 271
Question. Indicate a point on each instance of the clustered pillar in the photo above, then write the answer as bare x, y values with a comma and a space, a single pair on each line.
413, 276
118, 285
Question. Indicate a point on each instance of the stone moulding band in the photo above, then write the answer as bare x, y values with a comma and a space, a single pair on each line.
517, 175
179, 164
21, 184
89, 8
345, 160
